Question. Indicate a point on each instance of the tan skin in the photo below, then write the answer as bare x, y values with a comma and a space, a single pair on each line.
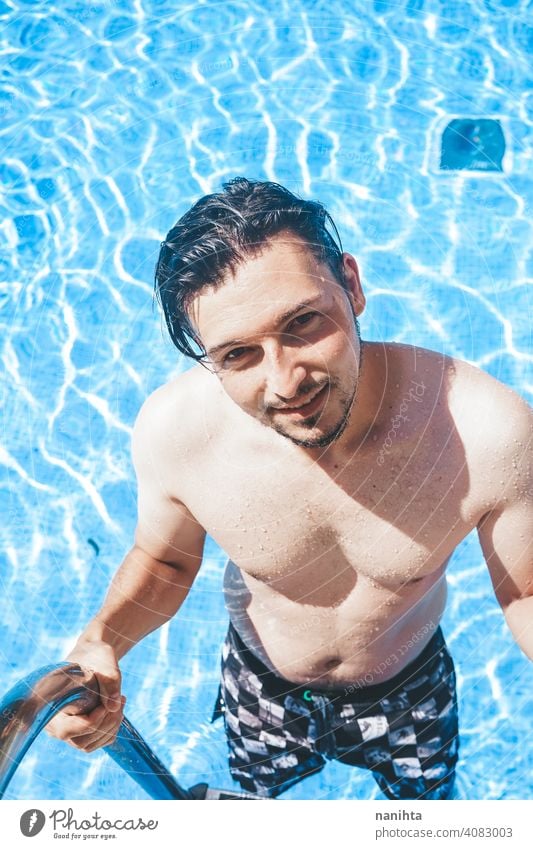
337, 551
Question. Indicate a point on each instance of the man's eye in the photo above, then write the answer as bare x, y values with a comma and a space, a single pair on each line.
234, 355
304, 319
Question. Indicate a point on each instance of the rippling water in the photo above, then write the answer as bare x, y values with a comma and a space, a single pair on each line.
116, 117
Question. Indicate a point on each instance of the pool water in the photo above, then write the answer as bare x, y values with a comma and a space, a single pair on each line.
117, 117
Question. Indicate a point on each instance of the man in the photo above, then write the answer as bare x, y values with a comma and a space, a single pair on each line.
339, 476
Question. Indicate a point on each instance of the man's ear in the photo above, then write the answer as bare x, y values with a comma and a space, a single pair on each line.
353, 283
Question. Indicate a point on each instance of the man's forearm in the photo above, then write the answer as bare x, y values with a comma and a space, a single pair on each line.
144, 594
519, 617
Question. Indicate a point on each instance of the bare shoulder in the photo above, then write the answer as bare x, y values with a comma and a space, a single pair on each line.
487, 408
170, 419
495, 425
492, 421
479, 403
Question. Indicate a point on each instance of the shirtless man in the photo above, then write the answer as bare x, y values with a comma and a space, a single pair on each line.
339, 476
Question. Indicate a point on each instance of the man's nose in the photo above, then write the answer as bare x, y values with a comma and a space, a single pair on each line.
284, 374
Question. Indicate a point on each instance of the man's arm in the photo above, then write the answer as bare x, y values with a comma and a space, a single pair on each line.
143, 595
148, 588
506, 531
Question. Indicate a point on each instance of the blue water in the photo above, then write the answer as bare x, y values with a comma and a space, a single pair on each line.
116, 118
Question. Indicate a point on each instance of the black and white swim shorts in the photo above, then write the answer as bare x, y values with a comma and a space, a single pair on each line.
405, 730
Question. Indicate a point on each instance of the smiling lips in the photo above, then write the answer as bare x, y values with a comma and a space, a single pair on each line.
307, 408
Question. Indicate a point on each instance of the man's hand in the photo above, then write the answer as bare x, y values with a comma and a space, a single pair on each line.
99, 728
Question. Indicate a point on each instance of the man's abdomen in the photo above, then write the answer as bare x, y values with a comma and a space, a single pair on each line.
368, 638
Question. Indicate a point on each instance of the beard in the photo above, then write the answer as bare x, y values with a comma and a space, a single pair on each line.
347, 399
332, 434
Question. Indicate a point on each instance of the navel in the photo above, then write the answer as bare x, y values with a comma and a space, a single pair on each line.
331, 662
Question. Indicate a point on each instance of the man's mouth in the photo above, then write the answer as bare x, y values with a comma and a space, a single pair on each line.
308, 408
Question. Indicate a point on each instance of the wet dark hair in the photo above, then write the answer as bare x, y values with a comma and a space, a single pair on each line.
223, 230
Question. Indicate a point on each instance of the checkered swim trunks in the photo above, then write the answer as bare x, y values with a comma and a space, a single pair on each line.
404, 730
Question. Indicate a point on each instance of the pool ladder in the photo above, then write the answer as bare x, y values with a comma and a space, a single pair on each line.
35, 700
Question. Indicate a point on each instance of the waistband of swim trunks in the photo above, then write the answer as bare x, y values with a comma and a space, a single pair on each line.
276, 685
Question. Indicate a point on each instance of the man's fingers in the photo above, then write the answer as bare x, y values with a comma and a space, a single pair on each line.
90, 742
65, 726
102, 735
101, 741
101, 659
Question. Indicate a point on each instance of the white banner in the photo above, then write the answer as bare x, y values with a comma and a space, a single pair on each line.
266, 825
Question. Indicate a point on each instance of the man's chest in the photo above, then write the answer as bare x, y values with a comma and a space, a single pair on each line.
390, 523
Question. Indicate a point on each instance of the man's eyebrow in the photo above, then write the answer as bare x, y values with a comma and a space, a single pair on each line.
280, 319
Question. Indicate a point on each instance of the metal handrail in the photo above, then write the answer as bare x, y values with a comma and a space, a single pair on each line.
36, 699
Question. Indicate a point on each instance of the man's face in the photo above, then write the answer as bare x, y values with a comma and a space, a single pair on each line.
283, 339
